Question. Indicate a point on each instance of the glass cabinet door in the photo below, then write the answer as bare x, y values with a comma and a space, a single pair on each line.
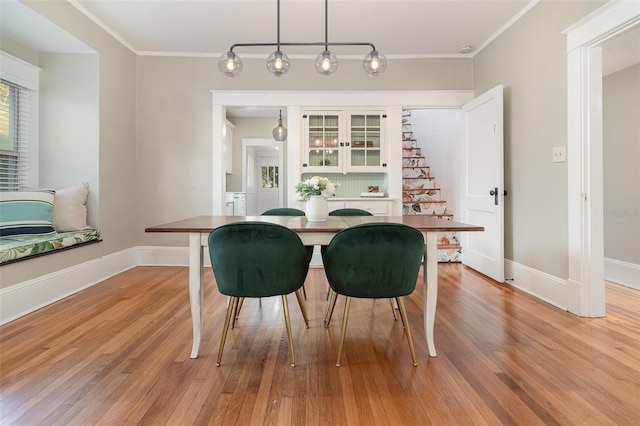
365, 133
324, 140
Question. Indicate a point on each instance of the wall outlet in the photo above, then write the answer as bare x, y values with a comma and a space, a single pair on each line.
559, 154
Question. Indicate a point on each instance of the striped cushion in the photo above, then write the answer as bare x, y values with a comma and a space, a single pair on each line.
26, 213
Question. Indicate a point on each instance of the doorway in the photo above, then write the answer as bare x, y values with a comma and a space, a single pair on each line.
585, 152
262, 174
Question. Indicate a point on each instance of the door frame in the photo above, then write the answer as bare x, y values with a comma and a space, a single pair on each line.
279, 145
296, 101
585, 152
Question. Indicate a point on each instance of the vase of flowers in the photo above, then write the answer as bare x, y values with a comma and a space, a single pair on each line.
315, 192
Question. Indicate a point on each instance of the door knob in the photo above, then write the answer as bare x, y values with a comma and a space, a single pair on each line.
494, 192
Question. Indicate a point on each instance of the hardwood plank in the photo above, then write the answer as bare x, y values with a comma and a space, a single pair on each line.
118, 353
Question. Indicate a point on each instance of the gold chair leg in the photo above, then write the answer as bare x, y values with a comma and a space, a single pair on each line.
303, 308
393, 310
230, 310
326, 310
331, 304
347, 305
236, 311
403, 314
304, 291
287, 322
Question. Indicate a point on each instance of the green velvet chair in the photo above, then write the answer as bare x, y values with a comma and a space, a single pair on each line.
349, 212
283, 211
289, 211
374, 261
331, 295
257, 259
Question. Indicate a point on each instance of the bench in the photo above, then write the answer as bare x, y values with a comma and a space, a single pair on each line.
38, 222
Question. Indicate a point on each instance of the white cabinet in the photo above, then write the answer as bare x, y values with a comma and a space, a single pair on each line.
342, 141
375, 207
227, 146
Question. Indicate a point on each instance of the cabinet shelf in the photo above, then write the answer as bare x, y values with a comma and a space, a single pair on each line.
344, 141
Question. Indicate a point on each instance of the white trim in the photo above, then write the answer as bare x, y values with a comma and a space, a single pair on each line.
546, 287
392, 101
27, 75
19, 72
102, 25
505, 27
625, 273
608, 21
279, 145
28, 296
584, 152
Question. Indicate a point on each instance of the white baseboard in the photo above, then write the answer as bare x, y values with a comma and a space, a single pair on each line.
625, 273
28, 296
544, 286
167, 256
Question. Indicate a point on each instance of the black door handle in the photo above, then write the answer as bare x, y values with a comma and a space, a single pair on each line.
494, 192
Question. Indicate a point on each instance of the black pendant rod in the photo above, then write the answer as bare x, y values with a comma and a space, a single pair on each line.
278, 24
326, 43
326, 24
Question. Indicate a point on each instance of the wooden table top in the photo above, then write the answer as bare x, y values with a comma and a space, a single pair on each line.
205, 224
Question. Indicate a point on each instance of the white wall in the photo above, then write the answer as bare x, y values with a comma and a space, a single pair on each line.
530, 60
69, 124
115, 159
438, 132
621, 135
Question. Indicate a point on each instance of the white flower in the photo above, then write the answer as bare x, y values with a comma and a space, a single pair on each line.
317, 185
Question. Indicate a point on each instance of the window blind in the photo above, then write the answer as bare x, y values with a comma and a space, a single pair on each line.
15, 124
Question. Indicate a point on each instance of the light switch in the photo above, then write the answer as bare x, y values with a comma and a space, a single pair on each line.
559, 154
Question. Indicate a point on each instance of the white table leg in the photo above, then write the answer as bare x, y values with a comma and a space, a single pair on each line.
430, 288
196, 293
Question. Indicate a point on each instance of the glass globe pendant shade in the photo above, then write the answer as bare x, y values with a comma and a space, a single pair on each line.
230, 64
326, 63
374, 63
280, 132
278, 63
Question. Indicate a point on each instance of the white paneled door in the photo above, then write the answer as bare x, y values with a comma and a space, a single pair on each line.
482, 184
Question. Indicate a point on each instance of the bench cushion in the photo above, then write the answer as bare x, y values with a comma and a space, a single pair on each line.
26, 213
17, 247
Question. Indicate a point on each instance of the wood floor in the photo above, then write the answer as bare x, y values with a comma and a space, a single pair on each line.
118, 353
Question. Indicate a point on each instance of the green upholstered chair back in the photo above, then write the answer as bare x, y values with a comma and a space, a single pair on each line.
350, 212
283, 211
257, 259
374, 260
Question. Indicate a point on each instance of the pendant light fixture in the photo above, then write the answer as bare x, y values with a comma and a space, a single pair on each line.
280, 132
326, 62
278, 63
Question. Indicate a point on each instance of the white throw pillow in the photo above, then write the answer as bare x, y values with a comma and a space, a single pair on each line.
70, 208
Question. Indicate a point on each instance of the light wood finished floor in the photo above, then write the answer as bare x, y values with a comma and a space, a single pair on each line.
118, 353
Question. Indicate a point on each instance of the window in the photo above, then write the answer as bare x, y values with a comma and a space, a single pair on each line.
270, 177
15, 123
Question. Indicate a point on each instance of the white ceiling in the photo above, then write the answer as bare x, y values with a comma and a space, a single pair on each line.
398, 28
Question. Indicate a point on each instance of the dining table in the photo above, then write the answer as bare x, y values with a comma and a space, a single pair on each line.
312, 233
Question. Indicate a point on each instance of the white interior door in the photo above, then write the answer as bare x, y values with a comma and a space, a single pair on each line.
252, 152
482, 184
269, 189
